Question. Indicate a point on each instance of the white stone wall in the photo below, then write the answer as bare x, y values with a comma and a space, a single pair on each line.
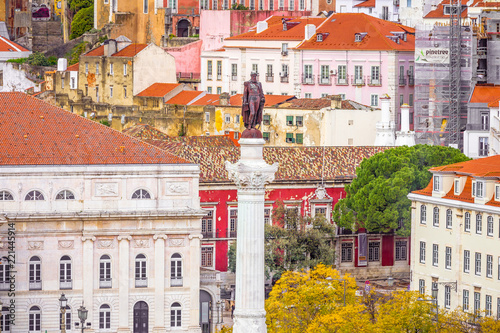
15, 79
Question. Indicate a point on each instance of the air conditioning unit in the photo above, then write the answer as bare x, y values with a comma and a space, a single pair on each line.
333, 72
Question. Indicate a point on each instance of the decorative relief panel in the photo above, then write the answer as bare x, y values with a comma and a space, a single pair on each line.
141, 242
65, 244
177, 188
105, 243
176, 241
106, 189
35, 245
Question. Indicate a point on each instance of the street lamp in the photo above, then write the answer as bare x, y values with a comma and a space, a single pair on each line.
82, 314
434, 301
63, 301
343, 280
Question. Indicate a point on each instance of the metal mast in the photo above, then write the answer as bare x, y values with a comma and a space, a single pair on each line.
455, 70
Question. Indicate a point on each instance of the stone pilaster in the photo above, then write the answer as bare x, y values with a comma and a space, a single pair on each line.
124, 283
250, 174
159, 324
88, 274
194, 282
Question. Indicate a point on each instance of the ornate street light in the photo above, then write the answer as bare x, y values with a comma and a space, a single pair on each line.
63, 301
82, 314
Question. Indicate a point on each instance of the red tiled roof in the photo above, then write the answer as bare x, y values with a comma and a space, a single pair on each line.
485, 94
295, 163
367, 3
73, 68
342, 27
237, 100
184, 97
275, 30
465, 195
208, 99
131, 50
158, 89
488, 4
439, 11
33, 132
7, 45
97, 52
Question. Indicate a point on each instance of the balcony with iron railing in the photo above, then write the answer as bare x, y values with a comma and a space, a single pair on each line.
284, 79
207, 234
374, 80
402, 81
141, 282
209, 76
35, 285
357, 81
176, 281
307, 79
324, 80
234, 77
411, 80
219, 77
269, 77
342, 81
231, 234
66, 284
105, 283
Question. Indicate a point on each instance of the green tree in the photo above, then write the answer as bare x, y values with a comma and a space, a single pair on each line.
82, 22
377, 197
76, 5
231, 256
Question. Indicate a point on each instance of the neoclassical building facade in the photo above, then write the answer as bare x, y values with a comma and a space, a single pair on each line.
111, 222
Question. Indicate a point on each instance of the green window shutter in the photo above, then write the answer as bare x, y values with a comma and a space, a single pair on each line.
289, 120
300, 138
299, 121
289, 137
265, 136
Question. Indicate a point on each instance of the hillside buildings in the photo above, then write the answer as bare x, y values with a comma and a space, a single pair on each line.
111, 222
455, 234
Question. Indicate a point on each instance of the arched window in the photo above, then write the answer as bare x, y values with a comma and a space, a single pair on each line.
175, 315
35, 319
5, 320
467, 222
6, 196
449, 217
423, 214
176, 270
65, 281
105, 271
141, 279
104, 316
435, 219
141, 194
479, 224
35, 273
67, 319
34, 195
4, 275
65, 195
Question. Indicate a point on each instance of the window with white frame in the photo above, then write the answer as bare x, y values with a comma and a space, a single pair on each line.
207, 224
104, 316
346, 252
35, 273
497, 192
141, 194
423, 214
479, 189
175, 315
342, 74
467, 222
227, 118
375, 75
96, 68
214, 4
435, 254
477, 302
233, 222
449, 216
483, 146
447, 296
325, 74
65, 195
358, 74
4, 274
111, 70
447, 261
374, 100
255, 68
457, 186
34, 195
124, 69
437, 183
302, 5
219, 70
207, 256
422, 253
479, 223
207, 117
209, 69
86, 68
478, 263
65, 280
421, 286
141, 278
466, 261
105, 271
35, 319
6, 196
271, 5
401, 250
308, 73
465, 300
489, 226
489, 266
373, 251
176, 270
67, 319
110, 91
234, 72
267, 215
488, 305
291, 5
435, 217
5, 320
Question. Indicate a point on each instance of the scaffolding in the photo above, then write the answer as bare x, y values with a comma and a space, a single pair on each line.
443, 73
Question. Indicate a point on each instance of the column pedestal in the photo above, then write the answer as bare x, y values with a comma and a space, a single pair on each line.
250, 174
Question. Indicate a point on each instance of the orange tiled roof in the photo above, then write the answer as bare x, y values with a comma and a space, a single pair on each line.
295, 163
237, 100
439, 11
130, 51
488, 4
7, 45
184, 97
73, 68
339, 34
465, 195
97, 52
158, 89
367, 3
33, 132
275, 30
485, 94
481, 167
208, 99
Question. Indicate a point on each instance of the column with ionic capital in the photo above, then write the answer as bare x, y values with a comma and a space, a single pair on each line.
88, 273
123, 283
250, 174
194, 281
160, 276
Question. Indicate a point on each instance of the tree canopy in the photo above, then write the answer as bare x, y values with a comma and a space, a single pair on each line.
377, 198
82, 22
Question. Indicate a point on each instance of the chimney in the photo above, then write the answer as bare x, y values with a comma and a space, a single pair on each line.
62, 64
336, 102
261, 26
385, 102
310, 30
224, 99
110, 47
405, 118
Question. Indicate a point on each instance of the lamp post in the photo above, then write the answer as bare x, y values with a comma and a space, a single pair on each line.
343, 280
63, 301
82, 314
434, 301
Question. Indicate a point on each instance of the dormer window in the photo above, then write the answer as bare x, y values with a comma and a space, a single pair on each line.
457, 186
479, 189
497, 192
446, 10
358, 37
319, 37
437, 183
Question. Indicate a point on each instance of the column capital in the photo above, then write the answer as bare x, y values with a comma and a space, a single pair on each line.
88, 238
124, 237
192, 236
156, 237
251, 176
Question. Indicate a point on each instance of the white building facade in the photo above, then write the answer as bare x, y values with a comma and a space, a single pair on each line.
454, 236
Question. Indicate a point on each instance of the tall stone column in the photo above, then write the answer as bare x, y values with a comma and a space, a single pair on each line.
88, 274
250, 174
194, 282
159, 317
123, 283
